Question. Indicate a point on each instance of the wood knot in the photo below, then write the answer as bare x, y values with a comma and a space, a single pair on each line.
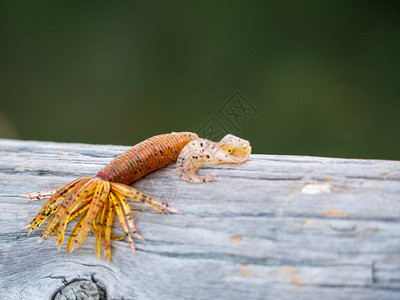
81, 289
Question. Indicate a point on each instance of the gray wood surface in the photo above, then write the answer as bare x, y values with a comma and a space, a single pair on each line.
276, 227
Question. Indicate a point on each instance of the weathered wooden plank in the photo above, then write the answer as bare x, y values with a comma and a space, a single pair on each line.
274, 227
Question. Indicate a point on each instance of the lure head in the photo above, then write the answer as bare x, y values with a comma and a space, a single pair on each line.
235, 146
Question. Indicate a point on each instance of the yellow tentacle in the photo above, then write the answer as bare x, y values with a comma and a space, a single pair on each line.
129, 217
75, 231
107, 230
154, 202
47, 208
99, 221
63, 207
100, 195
122, 222
75, 203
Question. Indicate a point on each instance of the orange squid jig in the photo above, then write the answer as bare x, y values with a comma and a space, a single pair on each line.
98, 199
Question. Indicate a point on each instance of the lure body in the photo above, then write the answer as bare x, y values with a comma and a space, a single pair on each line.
145, 157
97, 200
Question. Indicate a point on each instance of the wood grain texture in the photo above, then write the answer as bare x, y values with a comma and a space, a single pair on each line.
276, 227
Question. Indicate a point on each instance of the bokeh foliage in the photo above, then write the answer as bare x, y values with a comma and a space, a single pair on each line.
323, 75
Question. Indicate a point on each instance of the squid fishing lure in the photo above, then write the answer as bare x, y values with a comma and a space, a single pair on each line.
97, 200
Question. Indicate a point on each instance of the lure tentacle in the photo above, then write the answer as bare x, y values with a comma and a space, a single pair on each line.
63, 207
122, 222
107, 230
46, 210
127, 211
100, 195
80, 198
154, 202
41, 194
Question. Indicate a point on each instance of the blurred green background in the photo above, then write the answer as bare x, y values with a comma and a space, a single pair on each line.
322, 76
